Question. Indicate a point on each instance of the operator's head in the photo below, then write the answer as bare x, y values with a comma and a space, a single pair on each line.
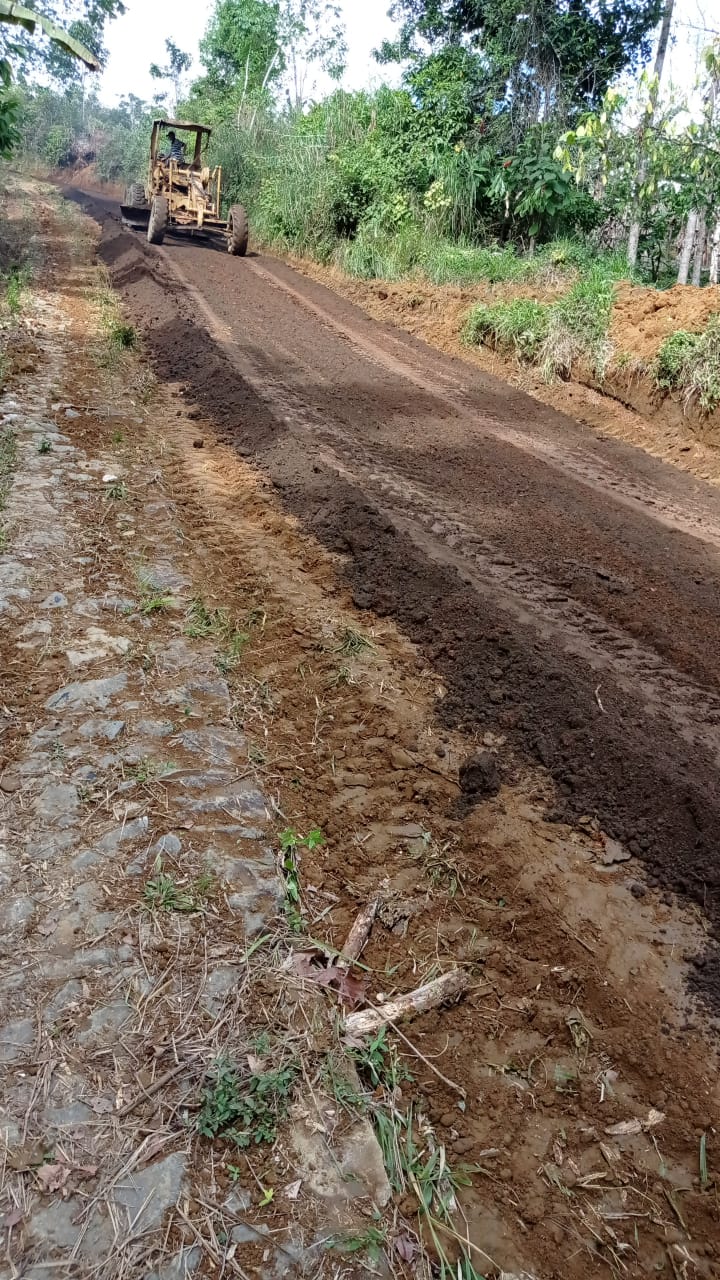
171, 136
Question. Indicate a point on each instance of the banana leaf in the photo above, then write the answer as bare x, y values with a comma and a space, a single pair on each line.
18, 15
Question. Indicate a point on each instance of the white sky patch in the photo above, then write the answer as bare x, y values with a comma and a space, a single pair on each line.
138, 38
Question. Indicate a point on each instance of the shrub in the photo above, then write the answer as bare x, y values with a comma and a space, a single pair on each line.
520, 326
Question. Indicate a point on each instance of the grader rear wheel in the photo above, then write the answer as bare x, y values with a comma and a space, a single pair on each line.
238, 231
135, 195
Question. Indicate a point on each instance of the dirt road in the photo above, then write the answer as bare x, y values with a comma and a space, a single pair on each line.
564, 586
192, 684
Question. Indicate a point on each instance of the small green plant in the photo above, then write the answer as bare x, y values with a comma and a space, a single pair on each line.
44, 446
291, 843
371, 1241
554, 336
379, 1060
245, 1110
690, 364
15, 285
154, 601
117, 437
117, 491
8, 459
353, 642
164, 893
122, 336
147, 770
203, 623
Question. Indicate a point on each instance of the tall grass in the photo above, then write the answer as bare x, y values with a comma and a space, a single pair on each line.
555, 336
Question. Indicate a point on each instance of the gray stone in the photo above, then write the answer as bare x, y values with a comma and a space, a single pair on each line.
352, 1167
217, 746
96, 644
56, 600
58, 804
75, 1115
168, 844
86, 773
256, 906
47, 847
219, 983
54, 1228
87, 693
181, 1267
97, 728
16, 1038
16, 913
38, 627
242, 799
36, 766
163, 576
104, 1023
154, 728
160, 1184
125, 834
92, 960
70, 994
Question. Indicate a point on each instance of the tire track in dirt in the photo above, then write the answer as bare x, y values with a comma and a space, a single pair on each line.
512, 657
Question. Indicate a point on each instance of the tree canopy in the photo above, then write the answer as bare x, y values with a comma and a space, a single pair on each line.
540, 58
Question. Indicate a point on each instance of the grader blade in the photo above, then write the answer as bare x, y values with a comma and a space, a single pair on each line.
135, 215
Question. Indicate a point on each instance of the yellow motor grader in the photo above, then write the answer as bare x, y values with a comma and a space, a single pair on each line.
182, 192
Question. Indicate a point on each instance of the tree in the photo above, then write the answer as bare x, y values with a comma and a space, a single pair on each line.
74, 27
544, 58
250, 45
240, 47
177, 64
663, 41
27, 22
310, 34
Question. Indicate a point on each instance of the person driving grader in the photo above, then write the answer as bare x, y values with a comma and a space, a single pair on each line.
176, 150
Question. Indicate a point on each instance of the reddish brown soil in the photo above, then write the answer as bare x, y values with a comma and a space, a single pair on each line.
561, 590
644, 318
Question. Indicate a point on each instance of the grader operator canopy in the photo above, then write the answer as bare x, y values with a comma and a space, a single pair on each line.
182, 192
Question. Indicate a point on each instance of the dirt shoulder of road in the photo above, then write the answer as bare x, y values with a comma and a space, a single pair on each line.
558, 1121
625, 406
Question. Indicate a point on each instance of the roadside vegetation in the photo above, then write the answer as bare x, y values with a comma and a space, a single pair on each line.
495, 163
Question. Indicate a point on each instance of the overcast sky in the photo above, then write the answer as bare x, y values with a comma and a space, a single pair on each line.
138, 38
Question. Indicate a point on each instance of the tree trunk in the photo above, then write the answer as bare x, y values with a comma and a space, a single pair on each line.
687, 248
715, 254
663, 41
634, 235
699, 258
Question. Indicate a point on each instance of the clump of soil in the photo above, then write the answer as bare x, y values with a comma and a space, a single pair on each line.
643, 318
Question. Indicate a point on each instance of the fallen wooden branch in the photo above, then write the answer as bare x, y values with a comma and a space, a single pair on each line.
358, 935
429, 996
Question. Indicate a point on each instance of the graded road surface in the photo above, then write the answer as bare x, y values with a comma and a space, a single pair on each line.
564, 586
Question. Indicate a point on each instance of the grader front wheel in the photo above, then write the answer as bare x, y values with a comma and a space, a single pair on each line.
157, 225
238, 231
